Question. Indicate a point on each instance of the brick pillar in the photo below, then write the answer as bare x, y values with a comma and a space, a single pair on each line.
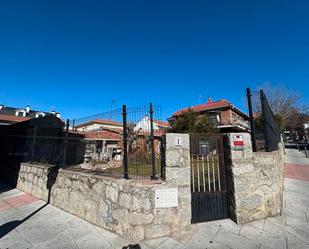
178, 175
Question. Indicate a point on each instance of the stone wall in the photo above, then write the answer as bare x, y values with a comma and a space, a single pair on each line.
255, 181
127, 207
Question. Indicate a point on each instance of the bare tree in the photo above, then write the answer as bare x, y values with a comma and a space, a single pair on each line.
282, 101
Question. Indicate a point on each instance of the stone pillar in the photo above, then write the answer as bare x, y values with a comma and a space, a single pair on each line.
254, 180
178, 175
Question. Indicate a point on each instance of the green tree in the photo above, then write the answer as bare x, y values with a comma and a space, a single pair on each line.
192, 122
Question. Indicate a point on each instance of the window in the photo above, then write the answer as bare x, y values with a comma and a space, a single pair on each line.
203, 148
20, 113
40, 114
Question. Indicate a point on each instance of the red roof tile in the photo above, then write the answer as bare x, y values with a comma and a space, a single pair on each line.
100, 121
205, 107
108, 135
161, 123
13, 118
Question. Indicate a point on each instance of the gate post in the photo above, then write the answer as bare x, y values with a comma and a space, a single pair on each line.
178, 176
254, 179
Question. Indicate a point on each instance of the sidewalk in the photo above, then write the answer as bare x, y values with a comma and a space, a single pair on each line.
50, 227
26, 222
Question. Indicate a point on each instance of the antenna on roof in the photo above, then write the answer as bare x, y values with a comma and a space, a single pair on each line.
200, 99
112, 107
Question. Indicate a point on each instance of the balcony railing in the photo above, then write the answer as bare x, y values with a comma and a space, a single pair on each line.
234, 122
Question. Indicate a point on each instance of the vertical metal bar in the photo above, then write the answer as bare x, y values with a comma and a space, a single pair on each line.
163, 158
253, 140
218, 166
192, 175
213, 173
208, 173
73, 125
33, 143
203, 167
125, 142
66, 142
198, 173
153, 159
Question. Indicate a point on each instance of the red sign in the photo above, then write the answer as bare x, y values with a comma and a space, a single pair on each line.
238, 140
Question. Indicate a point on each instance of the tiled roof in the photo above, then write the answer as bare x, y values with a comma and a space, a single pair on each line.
108, 135
161, 123
8, 110
205, 107
156, 133
117, 130
13, 118
100, 121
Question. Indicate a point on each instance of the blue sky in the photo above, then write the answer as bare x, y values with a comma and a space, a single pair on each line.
78, 56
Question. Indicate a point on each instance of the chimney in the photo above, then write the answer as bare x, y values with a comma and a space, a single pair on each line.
28, 109
209, 100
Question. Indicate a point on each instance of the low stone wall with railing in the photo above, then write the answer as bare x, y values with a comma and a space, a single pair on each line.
136, 209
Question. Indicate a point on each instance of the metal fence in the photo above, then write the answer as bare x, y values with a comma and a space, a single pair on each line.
265, 134
127, 142
143, 142
208, 179
44, 145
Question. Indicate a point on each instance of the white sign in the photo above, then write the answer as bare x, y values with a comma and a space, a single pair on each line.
178, 141
165, 198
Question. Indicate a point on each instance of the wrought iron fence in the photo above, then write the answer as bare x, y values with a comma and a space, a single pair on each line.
127, 142
136, 144
265, 134
207, 162
35, 144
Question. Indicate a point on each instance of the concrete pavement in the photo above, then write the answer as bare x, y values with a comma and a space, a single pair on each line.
26, 222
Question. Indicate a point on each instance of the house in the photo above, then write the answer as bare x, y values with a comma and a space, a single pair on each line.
102, 146
144, 125
139, 142
11, 115
99, 124
103, 139
225, 116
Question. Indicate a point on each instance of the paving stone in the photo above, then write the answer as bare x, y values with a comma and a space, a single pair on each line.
62, 240
203, 234
171, 243
258, 223
300, 233
234, 241
10, 239
155, 243
36, 231
93, 241
267, 238
295, 243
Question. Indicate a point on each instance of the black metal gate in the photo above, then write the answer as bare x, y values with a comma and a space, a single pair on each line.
208, 183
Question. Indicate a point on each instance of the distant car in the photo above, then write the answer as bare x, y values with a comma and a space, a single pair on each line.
290, 141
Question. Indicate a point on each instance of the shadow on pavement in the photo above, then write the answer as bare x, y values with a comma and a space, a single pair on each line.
11, 225
136, 246
4, 188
